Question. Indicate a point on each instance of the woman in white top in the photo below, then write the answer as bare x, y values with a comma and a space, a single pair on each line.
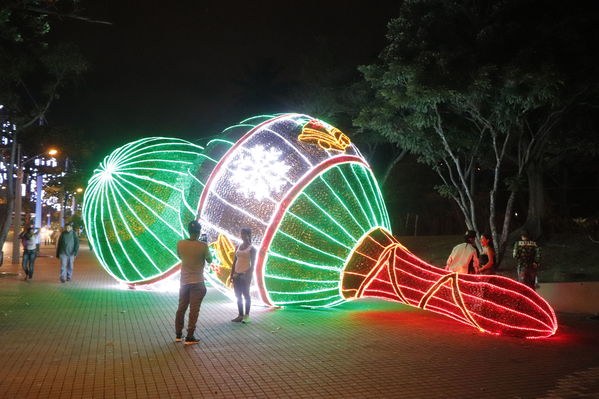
29, 241
241, 274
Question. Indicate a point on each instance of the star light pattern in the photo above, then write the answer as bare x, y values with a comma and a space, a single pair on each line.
260, 173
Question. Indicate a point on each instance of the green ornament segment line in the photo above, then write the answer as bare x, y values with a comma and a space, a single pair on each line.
366, 219
376, 197
174, 229
342, 204
118, 237
374, 219
146, 227
174, 258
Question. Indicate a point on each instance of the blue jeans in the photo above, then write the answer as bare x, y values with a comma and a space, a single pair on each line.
29, 256
241, 286
66, 266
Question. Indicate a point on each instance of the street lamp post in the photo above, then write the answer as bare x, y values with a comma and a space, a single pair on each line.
18, 195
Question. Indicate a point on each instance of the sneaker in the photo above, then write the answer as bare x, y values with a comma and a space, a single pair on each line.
246, 319
179, 338
238, 319
68, 279
62, 280
191, 340
25, 278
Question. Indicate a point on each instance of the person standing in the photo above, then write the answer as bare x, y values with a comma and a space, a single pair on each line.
528, 257
487, 257
29, 241
66, 250
193, 254
464, 257
242, 272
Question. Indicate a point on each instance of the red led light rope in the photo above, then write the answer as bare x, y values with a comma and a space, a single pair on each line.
493, 304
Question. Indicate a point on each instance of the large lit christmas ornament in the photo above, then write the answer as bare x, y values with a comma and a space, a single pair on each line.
137, 206
323, 234
317, 217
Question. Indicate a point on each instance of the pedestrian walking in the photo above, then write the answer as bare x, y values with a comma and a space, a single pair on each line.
242, 272
193, 254
29, 241
464, 257
66, 250
528, 258
487, 257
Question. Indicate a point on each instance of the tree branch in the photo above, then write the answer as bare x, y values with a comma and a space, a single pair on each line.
70, 16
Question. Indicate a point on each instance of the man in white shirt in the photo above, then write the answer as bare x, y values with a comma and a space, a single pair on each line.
464, 256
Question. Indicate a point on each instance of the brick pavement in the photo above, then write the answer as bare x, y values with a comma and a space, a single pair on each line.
92, 339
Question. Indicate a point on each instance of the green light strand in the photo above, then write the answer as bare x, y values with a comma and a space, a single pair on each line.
342, 204
317, 229
353, 193
301, 262
124, 221
279, 231
174, 229
301, 280
365, 196
147, 229
354, 239
118, 236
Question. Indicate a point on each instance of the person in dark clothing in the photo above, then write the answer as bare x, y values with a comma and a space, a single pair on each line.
193, 253
528, 257
487, 257
66, 250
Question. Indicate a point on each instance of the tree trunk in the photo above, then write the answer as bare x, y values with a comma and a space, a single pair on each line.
501, 241
536, 199
391, 165
10, 195
564, 209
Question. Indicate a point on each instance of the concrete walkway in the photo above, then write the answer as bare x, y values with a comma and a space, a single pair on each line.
90, 338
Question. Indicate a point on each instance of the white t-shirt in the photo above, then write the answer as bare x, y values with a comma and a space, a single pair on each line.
31, 243
460, 258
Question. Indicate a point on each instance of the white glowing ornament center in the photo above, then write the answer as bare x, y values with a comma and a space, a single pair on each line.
107, 172
260, 173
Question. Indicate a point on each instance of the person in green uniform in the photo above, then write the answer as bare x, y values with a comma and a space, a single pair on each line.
528, 258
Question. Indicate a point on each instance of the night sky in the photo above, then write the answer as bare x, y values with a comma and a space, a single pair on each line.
191, 68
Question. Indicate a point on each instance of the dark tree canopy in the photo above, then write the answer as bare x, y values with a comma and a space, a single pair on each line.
471, 86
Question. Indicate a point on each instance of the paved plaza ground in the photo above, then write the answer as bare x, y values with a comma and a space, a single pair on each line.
90, 338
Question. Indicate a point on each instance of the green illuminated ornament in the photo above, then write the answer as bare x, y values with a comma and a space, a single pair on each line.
313, 242
137, 205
